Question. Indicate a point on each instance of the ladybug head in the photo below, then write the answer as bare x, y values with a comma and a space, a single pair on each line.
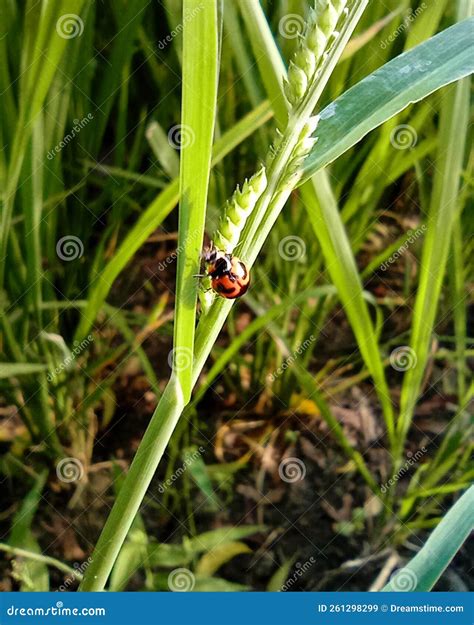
209, 255
217, 262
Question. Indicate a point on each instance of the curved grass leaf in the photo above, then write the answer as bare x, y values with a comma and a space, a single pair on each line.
408, 78
220, 555
424, 570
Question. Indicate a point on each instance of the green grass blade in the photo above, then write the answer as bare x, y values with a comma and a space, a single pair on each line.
424, 570
33, 209
325, 218
200, 75
241, 54
458, 295
454, 121
162, 149
14, 369
426, 24
268, 58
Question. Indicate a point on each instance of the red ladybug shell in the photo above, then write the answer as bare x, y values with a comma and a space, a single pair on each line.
229, 275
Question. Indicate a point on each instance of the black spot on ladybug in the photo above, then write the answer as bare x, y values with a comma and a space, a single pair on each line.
222, 289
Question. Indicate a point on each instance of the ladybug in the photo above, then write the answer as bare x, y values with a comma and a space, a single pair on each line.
229, 276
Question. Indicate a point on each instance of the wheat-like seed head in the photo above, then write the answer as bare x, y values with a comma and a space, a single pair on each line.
305, 144
237, 210
313, 45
